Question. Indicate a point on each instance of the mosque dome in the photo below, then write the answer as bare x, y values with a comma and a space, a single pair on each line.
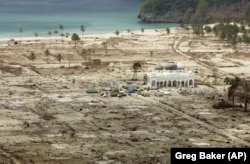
170, 66
180, 66
159, 67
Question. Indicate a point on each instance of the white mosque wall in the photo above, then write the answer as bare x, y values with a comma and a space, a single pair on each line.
170, 78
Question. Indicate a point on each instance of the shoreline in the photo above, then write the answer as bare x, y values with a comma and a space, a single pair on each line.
27, 39
93, 31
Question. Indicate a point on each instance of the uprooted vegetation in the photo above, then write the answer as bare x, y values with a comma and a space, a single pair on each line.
15, 70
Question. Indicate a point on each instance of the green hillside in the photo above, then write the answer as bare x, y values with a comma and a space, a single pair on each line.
181, 10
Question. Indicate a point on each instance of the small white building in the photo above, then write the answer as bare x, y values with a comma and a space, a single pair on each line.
169, 74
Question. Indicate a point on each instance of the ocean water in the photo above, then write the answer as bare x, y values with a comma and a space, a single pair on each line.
98, 16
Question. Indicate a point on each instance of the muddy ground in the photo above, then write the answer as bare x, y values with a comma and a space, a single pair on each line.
46, 116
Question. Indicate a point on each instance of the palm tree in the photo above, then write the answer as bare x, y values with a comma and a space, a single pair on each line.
56, 33
47, 52
244, 93
36, 35
32, 56
105, 46
84, 53
187, 15
59, 57
97, 62
82, 28
168, 30
234, 83
247, 14
117, 33
61, 27
67, 35
49, 33
142, 30
21, 31
151, 54
128, 30
62, 35
75, 38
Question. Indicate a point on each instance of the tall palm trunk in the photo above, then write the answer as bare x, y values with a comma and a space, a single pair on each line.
245, 106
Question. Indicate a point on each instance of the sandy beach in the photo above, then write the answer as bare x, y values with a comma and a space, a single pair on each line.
47, 116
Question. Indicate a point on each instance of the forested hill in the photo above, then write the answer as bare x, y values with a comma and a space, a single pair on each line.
182, 11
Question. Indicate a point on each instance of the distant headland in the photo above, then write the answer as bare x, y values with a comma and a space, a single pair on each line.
179, 11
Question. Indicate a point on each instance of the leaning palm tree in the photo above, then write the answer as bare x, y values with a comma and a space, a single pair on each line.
82, 28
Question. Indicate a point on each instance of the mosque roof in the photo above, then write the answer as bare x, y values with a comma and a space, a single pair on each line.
169, 66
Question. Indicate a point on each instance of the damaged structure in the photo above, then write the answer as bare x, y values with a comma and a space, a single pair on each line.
170, 74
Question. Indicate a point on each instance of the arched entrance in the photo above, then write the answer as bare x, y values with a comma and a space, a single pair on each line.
169, 84
191, 83
174, 83
161, 84
182, 84
153, 83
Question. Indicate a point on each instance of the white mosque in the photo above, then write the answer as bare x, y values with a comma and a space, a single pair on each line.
170, 74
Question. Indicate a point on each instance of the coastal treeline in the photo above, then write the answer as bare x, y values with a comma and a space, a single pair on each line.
218, 9
159, 7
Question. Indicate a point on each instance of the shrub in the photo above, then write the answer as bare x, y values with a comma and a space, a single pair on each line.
47, 52
32, 56
97, 62
222, 104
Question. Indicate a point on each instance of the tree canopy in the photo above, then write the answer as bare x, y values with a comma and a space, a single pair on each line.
238, 87
75, 38
187, 7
